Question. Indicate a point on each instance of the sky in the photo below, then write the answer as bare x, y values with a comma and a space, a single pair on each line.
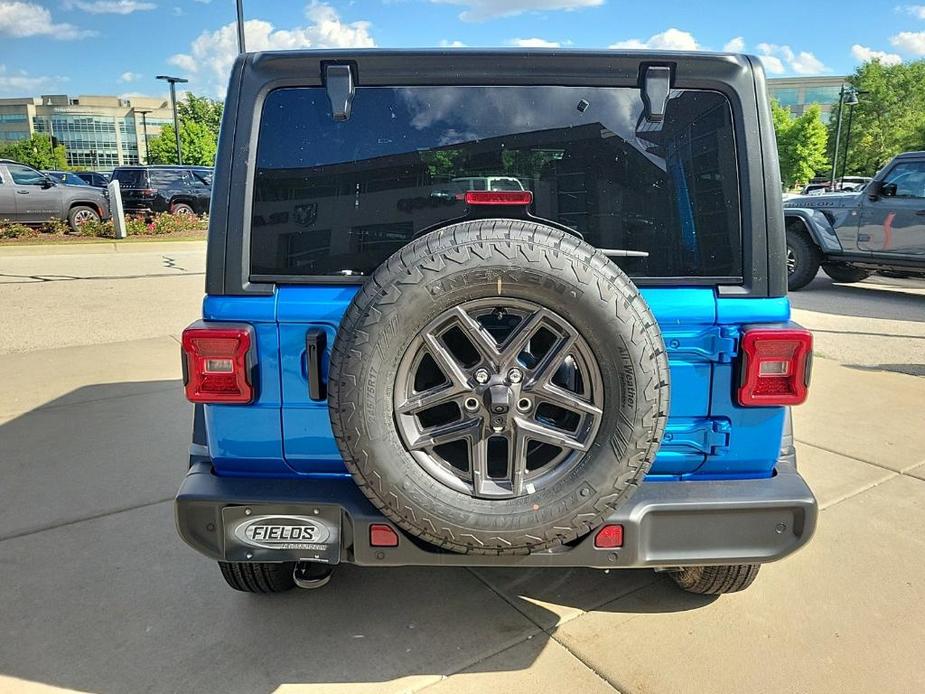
118, 46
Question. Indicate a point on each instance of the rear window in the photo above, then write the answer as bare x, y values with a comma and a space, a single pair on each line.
163, 178
337, 198
130, 178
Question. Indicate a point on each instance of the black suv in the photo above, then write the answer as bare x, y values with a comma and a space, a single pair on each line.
148, 190
93, 178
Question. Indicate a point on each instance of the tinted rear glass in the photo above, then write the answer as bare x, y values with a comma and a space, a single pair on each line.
337, 198
130, 178
163, 178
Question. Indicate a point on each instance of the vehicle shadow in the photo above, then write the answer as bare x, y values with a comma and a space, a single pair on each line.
877, 297
98, 593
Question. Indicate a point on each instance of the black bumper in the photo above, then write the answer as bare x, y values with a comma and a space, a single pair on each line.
665, 524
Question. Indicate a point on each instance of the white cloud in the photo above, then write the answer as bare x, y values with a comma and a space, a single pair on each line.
670, 40
779, 59
735, 45
212, 52
111, 6
21, 19
452, 44
24, 84
915, 10
910, 41
534, 43
480, 10
865, 54
130, 77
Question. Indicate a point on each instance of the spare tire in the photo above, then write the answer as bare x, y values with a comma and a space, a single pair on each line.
497, 387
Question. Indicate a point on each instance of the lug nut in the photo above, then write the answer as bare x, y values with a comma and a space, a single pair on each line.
524, 405
471, 404
482, 376
515, 376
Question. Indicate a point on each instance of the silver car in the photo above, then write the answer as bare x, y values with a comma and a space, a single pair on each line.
28, 196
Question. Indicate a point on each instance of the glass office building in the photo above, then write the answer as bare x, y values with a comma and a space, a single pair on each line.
797, 93
98, 132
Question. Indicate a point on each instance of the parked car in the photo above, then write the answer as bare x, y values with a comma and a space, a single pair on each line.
28, 196
94, 178
148, 190
66, 177
844, 184
853, 234
484, 381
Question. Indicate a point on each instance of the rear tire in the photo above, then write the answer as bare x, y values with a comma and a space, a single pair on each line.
844, 273
80, 214
716, 580
181, 208
258, 577
803, 260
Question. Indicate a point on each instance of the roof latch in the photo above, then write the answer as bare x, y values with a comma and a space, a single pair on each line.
339, 82
655, 88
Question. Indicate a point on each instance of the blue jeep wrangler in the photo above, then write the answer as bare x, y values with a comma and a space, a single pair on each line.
495, 308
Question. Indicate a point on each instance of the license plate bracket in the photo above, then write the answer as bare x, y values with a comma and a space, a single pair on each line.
256, 532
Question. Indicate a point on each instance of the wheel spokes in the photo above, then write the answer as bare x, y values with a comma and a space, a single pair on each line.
447, 433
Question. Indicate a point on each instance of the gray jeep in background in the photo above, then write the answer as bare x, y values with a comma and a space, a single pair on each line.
850, 235
28, 196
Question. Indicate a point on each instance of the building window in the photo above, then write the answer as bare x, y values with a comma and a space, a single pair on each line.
821, 95
786, 96
13, 118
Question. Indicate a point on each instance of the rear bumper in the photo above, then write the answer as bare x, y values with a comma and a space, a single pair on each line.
665, 524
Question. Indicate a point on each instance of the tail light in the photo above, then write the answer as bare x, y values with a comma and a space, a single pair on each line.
499, 197
775, 367
217, 362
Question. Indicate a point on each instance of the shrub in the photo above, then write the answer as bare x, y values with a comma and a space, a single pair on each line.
10, 230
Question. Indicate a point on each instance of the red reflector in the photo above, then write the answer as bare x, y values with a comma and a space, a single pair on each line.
499, 197
216, 364
609, 537
382, 535
775, 369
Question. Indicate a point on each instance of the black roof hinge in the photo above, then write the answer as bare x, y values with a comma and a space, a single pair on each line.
340, 83
656, 84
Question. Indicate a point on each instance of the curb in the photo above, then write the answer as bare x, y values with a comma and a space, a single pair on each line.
100, 248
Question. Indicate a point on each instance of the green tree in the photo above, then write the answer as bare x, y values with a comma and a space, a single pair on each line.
888, 119
197, 145
38, 151
200, 119
801, 144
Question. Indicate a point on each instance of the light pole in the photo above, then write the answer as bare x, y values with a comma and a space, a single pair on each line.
144, 130
173, 81
844, 159
240, 9
846, 95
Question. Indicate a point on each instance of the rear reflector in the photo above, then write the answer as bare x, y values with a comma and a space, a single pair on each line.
499, 197
382, 535
609, 537
775, 367
216, 366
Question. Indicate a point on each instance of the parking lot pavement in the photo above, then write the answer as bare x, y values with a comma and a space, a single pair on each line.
97, 593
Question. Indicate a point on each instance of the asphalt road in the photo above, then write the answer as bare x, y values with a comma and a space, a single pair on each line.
97, 593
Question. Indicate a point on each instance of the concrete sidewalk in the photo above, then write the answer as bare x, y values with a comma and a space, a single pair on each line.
98, 594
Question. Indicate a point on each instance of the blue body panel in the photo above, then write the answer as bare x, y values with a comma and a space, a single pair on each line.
285, 433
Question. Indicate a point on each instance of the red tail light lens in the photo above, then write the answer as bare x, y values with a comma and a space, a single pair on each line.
776, 367
216, 364
382, 535
499, 197
609, 537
